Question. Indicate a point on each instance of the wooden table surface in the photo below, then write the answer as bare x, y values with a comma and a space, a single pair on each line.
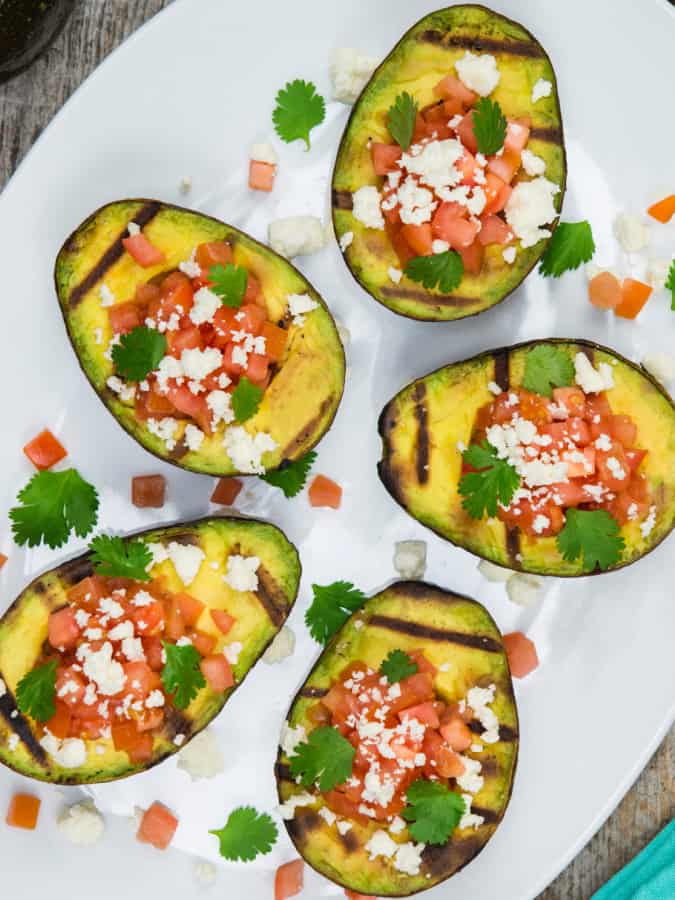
27, 104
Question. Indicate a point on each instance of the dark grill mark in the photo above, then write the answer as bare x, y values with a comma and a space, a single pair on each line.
186, 538
177, 723
342, 200
307, 432
551, 134
506, 733
502, 369
589, 352
491, 817
19, 725
313, 692
513, 546
75, 571
479, 44
399, 293
111, 255
271, 597
349, 841
415, 629
283, 772
441, 860
422, 448
303, 823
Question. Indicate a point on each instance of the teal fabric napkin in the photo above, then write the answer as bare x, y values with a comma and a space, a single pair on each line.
650, 876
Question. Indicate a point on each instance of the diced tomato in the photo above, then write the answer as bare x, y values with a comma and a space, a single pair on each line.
423, 663
442, 110
141, 752
451, 88
230, 366
352, 895
623, 429
423, 712
521, 654
124, 317
70, 686
385, 157
460, 233
23, 811
505, 166
88, 591
177, 295
604, 291
148, 491
150, 720
59, 724
141, 680
534, 407
494, 230
149, 620
289, 879
418, 238
3, 560
190, 608
447, 762
154, 654
624, 508
634, 295
572, 399
62, 628
174, 625
261, 175
152, 405
204, 643
467, 165
497, 193
145, 253
125, 735
222, 620
580, 463
472, 257
597, 406
193, 405
251, 318
517, 135
325, 492
343, 806
275, 341
634, 458
663, 210
217, 671
213, 253
226, 491
225, 323
188, 338
613, 475
399, 243
466, 134
341, 703
457, 733
446, 212
44, 451
257, 370
415, 689
157, 827
147, 293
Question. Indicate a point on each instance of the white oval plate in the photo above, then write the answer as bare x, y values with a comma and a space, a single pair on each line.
186, 95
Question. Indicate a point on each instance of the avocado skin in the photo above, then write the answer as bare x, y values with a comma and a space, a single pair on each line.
454, 30
430, 495
315, 360
23, 634
424, 606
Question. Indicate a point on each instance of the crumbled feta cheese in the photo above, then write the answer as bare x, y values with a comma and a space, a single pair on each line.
202, 757
380, 844
542, 88
81, 824
281, 647
164, 429
241, 572
220, 404
533, 164
133, 229
106, 295
509, 255
660, 365
657, 273
478, 73
206, 304
185, 184
410, 558
408, 858
469, 819
396, 825
197, 364
296, 236
264, 152
291, 737
494, 388
205, 872
3, 688
350, 69
69, 754
232, 651
179, 740
98, 336
245, 450
529, 207
470, 780
647, 526
187, 560
299, 305
154, 700
540, 523
126, 392
343, 826
439, 246
366, 207
194, 437
590, 380
493, 572
603, 442
327, 815
346, 240
523, 589
434, 164
631, 233
395, 275
159, 555
107, 673
377, 789
479, 699
288, 808
123, 630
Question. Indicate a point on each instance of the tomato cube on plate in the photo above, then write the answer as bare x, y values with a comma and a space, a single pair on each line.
44, 451
157, 827
261, 175
521, 654
23, 811
3, 560
325, 492
289, 879
352, 895
148, 491
226, 491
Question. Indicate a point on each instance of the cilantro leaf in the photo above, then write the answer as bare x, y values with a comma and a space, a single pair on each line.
229, 283
291, 478
331, 607
246, 399
36, 692
546, 367
114, 558
53, 504
401, 119
324, 759
442, 270
181, 674
139, 352
246, 834
571, 245
397, 666
489, 126
434, 811
299, 109
670, 284
595, 534
495, 480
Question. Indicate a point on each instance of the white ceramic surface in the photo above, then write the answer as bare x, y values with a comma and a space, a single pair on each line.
186, 95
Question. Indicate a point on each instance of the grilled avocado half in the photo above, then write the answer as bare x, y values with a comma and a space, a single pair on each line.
425, 424
454, 632
424, 55
302, 398
259, 616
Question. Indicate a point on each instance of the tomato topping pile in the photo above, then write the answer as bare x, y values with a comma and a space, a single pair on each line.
468, 229
120, 624
599, 448
425, 736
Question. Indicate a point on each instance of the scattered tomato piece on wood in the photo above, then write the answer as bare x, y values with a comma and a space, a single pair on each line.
521, 654
157, 827
289, 879
226, 491
634, 295
325, 492
23, 811
44, 451
148, 491
663, 210
604, 291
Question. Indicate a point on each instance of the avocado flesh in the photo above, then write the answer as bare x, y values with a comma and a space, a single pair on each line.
343, 859
23, 632
423, 424
298, 406
423, 56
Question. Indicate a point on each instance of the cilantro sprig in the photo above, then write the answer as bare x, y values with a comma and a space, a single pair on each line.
571, 245
324, 759
292, 477
299, 109
246, 834
397, 666
433, 811
489, 126
546, 367
181, 674
229, 283
36, 692
332, 605
139, 352
114, 558
495, 481
670, 284
592, 534
52, 505
441, 270
246, 399
401, 119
